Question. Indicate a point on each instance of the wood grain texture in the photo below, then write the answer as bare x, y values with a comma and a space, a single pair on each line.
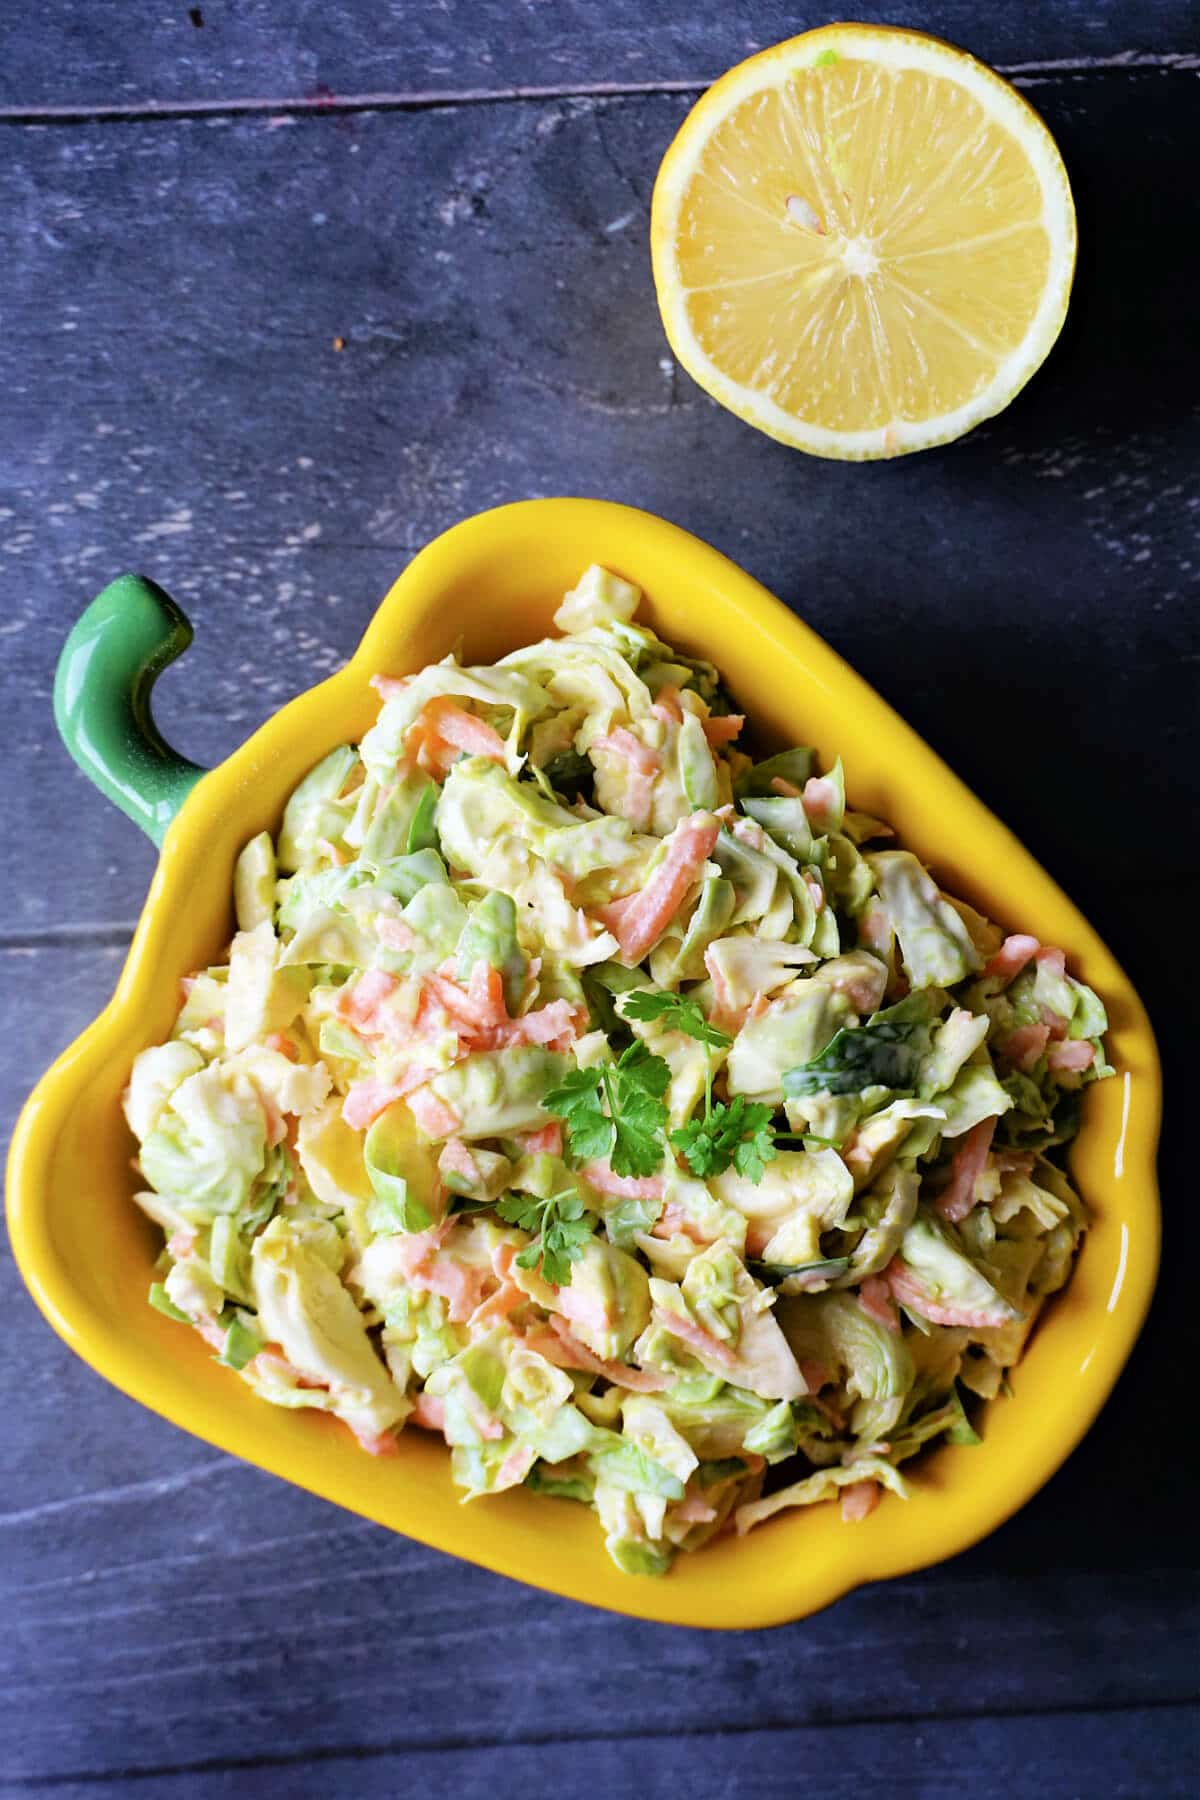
167, 1607
1141, 1752
171, 399
144, 52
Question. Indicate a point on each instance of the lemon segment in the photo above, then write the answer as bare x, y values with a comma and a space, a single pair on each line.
863, 242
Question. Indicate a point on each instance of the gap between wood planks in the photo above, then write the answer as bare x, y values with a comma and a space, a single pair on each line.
371, 1753
67, 937
1027, 74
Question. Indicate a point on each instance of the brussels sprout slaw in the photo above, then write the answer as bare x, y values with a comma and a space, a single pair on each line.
635, 1114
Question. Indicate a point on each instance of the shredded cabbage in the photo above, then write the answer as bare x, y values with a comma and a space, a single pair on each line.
578, 1088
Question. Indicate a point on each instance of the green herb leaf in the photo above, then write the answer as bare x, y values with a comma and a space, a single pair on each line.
560, 1226
755, 1148
615, 1110
679, 1013
635, 1086
579, 1102
738, 1133
639, 1070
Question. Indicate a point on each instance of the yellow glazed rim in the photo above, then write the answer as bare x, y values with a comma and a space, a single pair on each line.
493, 581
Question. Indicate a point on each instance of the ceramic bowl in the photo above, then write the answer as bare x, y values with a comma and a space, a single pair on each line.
491, 584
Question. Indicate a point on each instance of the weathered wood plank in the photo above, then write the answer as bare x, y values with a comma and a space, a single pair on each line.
1123, 1755
237, 1617
171, 397
172, 401
143, 51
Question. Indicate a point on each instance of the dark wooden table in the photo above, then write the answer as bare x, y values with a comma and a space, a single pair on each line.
197, 207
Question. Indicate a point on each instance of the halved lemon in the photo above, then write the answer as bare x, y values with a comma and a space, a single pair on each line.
863, 241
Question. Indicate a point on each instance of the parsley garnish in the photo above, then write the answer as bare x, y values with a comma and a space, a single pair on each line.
616, 1110
737, 1133
560, 1228
679, 1012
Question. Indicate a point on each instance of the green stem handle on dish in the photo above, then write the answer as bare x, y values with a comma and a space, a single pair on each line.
102, 687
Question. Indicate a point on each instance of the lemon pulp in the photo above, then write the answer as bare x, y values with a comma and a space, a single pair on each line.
863, 249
